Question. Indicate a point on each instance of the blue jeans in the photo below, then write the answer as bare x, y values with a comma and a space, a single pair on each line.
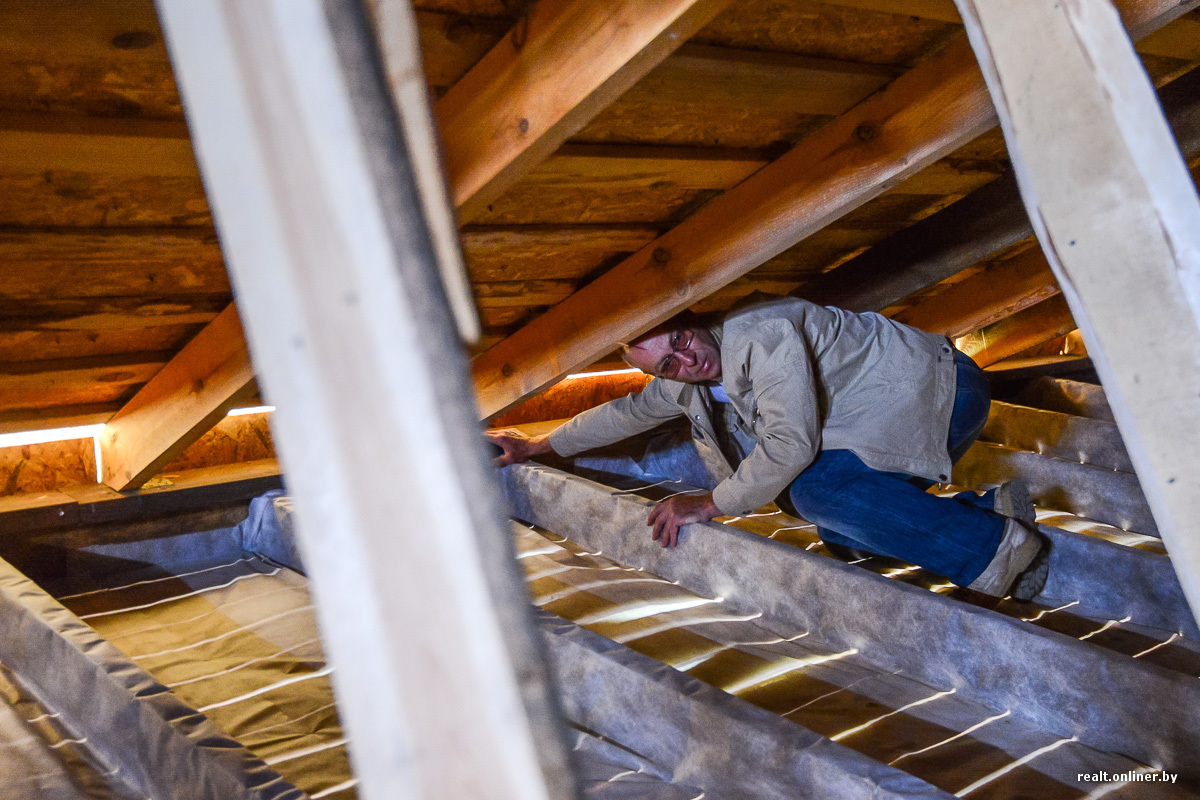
891, 514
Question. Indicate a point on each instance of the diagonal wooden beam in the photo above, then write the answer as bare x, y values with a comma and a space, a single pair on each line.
920, 117
562, 63
988, 297
1017, 333
189, 395
967, 232
1118, 216
308, 168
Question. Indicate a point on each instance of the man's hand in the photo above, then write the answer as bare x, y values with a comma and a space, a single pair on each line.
670, 514
517, 446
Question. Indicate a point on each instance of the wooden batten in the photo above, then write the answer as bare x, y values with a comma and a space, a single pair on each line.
988, 297
179, 404
1123, 240
1019, 332
559, 67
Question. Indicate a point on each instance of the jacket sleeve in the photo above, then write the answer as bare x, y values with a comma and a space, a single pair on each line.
788, 429
618, 419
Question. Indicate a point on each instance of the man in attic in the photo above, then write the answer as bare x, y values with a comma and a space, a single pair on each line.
847, 417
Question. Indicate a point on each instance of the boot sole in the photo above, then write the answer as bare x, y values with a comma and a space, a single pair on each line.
1032, 580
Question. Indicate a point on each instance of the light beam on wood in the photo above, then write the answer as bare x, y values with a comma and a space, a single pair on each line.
921, 116
334, 266
1118, 216
564, 61
189, 395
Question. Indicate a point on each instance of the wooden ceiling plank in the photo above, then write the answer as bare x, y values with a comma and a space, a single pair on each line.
108, 313
752, 79
560, 66
35, 345
538, 252
940, 10
110, 262
104, 147
66, 382
967, 232
1019, 332
639, 167
1123, 239
921, 116
178, 405
993, 294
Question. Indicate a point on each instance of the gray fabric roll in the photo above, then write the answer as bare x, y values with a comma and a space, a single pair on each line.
162, 747
1094, 492
1063, 436
704, 736
1106, 700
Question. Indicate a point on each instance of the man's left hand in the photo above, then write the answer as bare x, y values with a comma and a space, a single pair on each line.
667, 517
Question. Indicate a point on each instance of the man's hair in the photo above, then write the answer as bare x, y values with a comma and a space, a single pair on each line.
684, 319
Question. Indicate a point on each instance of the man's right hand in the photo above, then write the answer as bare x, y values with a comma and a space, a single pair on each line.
517, 446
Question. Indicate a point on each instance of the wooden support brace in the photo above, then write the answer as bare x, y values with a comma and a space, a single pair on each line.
438, 676
1016, 334
969, 231
189, 395
1118, 216
563, 62
986, 298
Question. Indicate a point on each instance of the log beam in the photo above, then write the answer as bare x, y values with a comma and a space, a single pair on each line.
1117, 213
559, 67
189, 395
988, 297
969, 231
1017, 333
921, 116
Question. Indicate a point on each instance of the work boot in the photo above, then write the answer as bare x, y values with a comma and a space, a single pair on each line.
1019, 566
1012, 500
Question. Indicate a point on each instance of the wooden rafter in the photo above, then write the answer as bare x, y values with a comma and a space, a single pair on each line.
922, 115
177, 406
1118, 216
969, 231
986, 298
559, 67
1018, 332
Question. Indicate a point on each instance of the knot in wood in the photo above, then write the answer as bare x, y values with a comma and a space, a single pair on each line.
661, 255
523, 126
866, 131
507, 370
134, 40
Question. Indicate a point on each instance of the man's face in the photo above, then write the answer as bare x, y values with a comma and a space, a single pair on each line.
689, 354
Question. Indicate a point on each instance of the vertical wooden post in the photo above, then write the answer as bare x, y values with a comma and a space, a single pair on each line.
1119, 220
438, 672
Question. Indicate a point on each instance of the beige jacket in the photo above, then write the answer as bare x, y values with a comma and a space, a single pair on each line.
802, 378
